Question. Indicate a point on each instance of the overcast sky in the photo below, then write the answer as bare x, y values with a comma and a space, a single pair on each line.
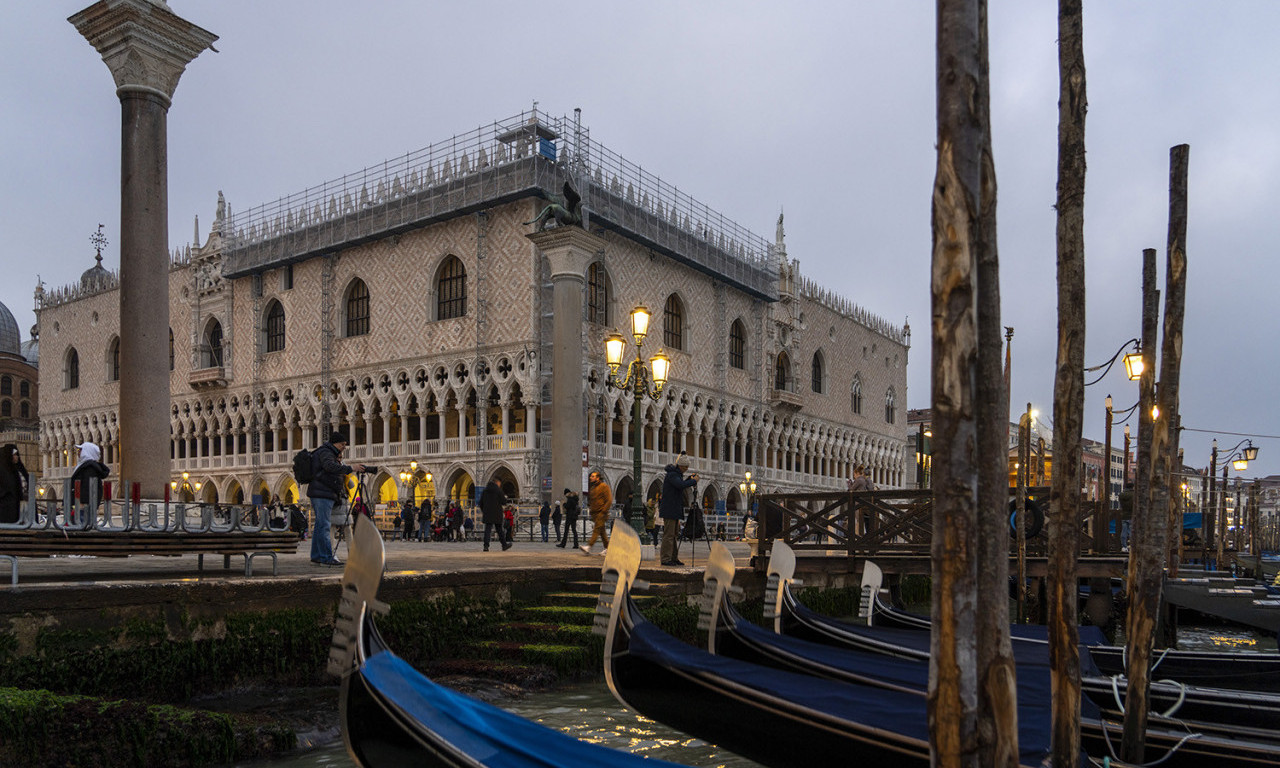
824, 109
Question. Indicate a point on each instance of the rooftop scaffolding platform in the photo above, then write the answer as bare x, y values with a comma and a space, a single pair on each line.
529, 155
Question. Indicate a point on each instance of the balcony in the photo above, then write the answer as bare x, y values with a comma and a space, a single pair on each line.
208, 378
784, 398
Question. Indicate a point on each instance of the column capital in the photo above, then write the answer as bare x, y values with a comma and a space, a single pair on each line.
569, 249
144, 43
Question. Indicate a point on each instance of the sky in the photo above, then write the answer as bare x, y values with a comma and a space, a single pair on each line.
824, 110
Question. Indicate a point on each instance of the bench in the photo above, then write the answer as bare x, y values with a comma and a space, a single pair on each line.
47, 542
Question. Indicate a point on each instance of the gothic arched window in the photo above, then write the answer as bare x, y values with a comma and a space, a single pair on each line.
451, 289
738, 345
599, 294
889, 406
855, 395
673, 323
356, 308
817, 373
71, 370
211, 351
275, 327
113, 359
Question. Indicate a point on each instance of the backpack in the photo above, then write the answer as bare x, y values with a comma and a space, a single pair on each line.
303, 468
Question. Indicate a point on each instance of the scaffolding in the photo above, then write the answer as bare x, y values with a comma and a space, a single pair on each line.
529, 155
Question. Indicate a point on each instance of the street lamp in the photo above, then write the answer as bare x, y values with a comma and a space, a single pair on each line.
186, 486
748, 489
409, 479
1239, 455
643, 380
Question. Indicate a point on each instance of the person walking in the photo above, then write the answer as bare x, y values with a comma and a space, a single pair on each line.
544, 518
14, 482
671, 508
556, 517
328, 480
570, 518
651, 518
492, 501
599, 501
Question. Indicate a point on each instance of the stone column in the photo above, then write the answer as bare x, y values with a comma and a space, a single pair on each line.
146, 47
569, 250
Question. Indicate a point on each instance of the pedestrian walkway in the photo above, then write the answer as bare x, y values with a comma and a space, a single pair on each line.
403, 557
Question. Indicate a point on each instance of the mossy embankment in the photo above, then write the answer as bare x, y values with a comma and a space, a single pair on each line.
129, 693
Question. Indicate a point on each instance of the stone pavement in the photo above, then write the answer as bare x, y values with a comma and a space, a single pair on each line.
403, 558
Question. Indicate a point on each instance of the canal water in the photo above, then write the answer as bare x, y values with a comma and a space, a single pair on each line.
588, 711
591, 713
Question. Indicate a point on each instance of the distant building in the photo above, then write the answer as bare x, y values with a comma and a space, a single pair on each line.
19, 391
406, 305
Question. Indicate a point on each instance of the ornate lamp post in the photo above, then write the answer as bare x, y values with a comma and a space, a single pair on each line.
748, 489
642, 380
409, 479
186, 487
1239, 457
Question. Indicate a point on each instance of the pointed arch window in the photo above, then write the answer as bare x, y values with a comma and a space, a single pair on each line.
599, 294
673, 323
782, 372
211, 350
356, 307
817, 373
275, 327
71, 370
113, 359
889, 406
738, 345
855, 395
451, 289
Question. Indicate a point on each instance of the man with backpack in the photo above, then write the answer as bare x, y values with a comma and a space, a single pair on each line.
328, 480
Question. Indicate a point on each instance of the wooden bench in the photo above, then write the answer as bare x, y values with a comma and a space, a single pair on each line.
47, 542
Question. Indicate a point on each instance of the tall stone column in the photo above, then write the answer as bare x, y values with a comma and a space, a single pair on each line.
146, 47
569, 250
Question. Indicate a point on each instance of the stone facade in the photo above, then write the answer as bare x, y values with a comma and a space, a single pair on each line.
469, 396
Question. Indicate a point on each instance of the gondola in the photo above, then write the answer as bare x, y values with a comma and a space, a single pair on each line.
1206, 669
774, 717
392, 715
1222, 740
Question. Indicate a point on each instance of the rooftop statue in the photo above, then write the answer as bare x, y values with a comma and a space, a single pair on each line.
569, 214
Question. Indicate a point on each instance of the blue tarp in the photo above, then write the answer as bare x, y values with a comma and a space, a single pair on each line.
493, 737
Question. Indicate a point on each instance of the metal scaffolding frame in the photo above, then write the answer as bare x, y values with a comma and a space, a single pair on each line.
529, 155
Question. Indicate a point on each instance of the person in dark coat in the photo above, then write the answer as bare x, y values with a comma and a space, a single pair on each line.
90, 473
556, 517
329, 479
425, 513
14, 483
544, 518
671, 508
410, 516
570, 518
492, 501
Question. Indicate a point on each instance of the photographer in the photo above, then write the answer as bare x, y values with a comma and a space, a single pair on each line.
329, 478
671, 508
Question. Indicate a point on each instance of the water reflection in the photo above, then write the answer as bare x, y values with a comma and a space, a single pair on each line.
588, 712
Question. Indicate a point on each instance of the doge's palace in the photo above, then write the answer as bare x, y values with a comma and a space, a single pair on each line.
407, 305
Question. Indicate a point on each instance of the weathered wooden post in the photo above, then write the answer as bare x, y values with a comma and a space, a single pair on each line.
1020, 509
1068, 393
1145, 548
953, 697
996, 670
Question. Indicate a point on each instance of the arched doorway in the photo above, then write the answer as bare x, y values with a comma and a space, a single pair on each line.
622, 492
460, 487
507, 482
235, 494
654, 489
733, 502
